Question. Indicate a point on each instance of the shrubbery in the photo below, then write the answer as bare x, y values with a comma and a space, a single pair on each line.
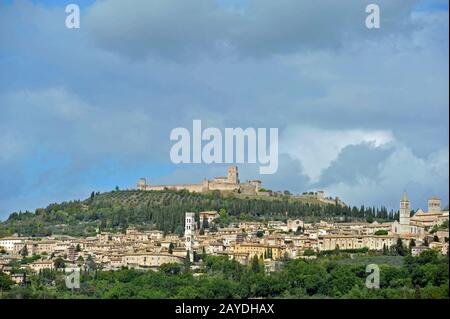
425, 276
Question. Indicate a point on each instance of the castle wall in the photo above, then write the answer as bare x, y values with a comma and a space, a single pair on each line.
229, 183
195, 187
223, 186
190, 187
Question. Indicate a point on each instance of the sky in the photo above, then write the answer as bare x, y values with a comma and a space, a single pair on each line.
362, 113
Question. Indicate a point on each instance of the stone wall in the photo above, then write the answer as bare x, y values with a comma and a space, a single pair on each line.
227, 184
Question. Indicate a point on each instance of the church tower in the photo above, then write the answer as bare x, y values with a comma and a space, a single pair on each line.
404, 214
434, 205
189, 229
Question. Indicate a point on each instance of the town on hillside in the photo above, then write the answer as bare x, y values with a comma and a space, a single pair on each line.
271, 242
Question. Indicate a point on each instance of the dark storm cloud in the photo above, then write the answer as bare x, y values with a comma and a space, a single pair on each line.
111, 91
175, 30
355, 162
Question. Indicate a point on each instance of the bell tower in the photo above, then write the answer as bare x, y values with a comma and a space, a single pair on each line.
434, 205
189, 229
404, 214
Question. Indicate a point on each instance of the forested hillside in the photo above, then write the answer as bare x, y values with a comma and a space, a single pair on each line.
164, 210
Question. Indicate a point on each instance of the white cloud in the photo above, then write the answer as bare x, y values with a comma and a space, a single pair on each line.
401, 171
316, 148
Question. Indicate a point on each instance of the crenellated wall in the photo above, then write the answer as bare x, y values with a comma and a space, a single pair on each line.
229, 183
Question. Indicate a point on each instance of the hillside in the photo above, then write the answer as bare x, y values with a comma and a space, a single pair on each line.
164, 210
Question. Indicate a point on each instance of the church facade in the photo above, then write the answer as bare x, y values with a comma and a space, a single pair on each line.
421, 221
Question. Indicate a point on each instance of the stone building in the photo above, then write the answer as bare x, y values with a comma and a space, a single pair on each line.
294, 224
404, 215
149, 259
229, 183
344, 242
209, 216
39, 265
420, 221
265, 251
8, 243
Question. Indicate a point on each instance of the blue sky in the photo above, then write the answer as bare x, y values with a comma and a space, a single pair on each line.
362, 114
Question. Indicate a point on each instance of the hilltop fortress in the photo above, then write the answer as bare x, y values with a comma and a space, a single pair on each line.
228, 183
231, 183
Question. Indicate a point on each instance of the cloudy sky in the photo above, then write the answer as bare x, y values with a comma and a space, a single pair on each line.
362, 113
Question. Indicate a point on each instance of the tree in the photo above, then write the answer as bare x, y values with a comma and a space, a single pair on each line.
187, 261
170, 269
179, 230
78, 248
171, 247
417, 293
299, 230
337, 250
80, 260
385, 250
59, 263
308, 252
256, 265
5, 281
381, 232
205, 223
260, 234
91, 263
24, 251
412, 243
399, 249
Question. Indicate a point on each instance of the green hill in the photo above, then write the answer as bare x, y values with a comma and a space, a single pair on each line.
164, 210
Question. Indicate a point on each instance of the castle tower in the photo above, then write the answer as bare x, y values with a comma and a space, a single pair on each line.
233, 175
320, 195
404, 214
205, 186
189, 229
142, 184
257, 184
434, 205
